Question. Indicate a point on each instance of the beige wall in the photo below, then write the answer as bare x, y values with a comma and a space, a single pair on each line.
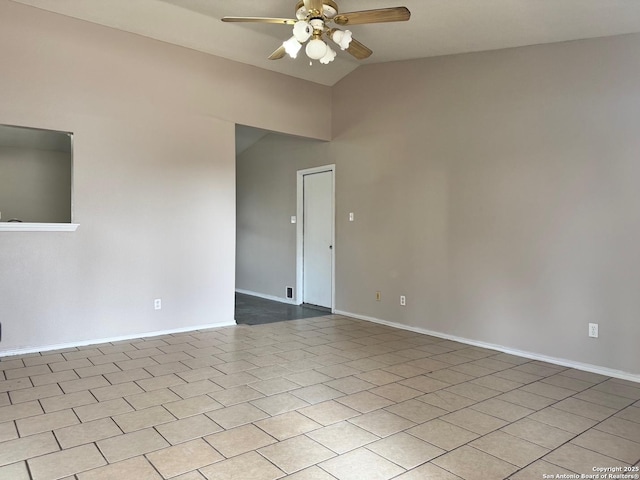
499, 192
266, 192
154, 177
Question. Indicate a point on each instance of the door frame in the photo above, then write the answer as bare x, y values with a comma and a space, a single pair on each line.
300, 231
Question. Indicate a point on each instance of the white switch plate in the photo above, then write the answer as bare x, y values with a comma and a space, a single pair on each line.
403, 300
157, 304
293, 219
593, 330
351, 216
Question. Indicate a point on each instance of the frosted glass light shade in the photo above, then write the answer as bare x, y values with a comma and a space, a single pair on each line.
316, 49
302, 31
329, 56
342, 38
292, 47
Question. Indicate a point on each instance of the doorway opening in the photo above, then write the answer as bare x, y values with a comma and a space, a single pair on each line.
273, 281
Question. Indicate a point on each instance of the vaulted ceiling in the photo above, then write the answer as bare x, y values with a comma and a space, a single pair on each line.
437, 27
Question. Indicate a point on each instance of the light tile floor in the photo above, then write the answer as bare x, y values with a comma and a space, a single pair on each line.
313, 399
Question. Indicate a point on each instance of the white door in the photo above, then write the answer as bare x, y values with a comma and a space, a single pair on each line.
317, 238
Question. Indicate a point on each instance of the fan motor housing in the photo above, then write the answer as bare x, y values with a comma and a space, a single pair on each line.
329, 10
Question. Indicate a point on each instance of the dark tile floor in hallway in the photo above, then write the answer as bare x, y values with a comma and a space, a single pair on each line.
252, 310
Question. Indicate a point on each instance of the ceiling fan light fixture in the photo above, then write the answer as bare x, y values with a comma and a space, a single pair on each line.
302, 31
292, 47
329, 56
342, 38
316, 49
312, 26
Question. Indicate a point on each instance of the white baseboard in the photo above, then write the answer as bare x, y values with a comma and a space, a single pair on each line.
609, 372
98, 341
289, 301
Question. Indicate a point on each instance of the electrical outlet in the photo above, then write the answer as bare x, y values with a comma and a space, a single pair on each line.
289, 292
378, 296
593, 330
157, 304
351, 216
403, 300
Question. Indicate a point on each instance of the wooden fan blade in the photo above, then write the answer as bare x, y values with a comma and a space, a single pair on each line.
313, 5
278, 54
281, 21
358, 50
381, 15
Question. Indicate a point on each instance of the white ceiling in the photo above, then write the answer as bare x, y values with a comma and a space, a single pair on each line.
437, 27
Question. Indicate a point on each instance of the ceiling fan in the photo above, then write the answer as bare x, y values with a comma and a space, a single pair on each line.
312, 26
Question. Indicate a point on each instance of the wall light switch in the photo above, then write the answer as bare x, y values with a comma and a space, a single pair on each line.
293, 219
351, 217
